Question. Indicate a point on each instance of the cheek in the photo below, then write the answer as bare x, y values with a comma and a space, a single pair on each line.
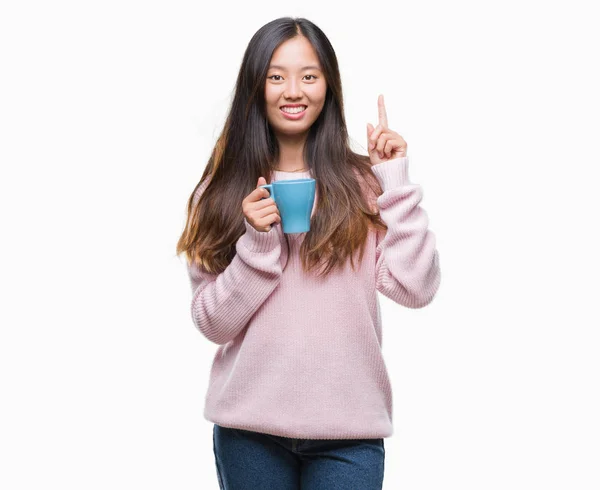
319, 104
270, 98
318, 96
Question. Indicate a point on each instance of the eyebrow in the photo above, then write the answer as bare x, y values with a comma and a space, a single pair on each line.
309, 67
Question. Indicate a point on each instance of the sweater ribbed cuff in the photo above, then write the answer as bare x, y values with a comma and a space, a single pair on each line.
392, 173
259, 241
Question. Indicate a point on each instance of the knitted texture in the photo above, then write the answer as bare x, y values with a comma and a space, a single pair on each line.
299, 355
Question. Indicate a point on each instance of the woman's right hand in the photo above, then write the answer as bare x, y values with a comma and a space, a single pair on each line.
260, 213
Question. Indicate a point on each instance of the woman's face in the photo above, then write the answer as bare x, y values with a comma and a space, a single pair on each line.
294, 77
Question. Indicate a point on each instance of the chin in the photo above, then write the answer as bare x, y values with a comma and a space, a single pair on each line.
292, 131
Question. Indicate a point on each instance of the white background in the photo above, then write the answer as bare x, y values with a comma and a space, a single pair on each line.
108, 114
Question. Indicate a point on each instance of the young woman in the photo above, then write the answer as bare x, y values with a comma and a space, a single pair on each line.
299, 392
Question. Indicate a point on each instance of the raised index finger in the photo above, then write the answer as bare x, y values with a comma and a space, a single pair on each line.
382, 114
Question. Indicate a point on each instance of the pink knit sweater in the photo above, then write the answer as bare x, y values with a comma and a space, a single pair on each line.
300, 356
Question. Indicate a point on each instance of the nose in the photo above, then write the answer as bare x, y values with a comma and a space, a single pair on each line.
292, 89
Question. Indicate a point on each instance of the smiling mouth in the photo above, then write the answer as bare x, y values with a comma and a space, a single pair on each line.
293, 110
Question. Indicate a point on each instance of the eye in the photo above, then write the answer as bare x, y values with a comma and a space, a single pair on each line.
314, 77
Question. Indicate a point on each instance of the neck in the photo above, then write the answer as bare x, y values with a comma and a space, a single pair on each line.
291, 152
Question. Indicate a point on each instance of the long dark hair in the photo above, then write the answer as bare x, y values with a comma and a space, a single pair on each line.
247, 149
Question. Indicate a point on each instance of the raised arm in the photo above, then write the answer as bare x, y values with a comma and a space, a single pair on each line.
407, 262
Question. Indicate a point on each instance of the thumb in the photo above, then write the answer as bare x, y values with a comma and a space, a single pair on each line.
263, 181
370, 129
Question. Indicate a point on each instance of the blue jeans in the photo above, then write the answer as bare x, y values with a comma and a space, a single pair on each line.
248, 460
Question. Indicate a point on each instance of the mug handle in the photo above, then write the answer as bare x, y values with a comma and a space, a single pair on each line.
270, 187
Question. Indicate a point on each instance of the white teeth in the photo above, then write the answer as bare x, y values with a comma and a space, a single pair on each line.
293, 110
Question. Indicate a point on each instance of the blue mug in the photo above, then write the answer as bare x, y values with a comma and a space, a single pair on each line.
294, 199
